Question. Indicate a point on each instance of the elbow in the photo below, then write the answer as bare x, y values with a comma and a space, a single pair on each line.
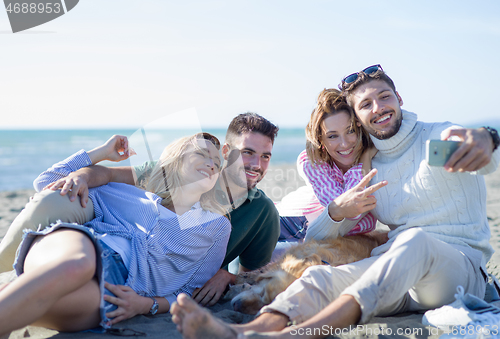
39, 183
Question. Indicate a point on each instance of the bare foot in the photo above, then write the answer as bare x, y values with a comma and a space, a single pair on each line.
196, 322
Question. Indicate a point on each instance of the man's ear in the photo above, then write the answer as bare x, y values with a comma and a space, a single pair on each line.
225, 151
399, 99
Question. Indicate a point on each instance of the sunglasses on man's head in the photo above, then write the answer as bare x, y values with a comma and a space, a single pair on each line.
368, 71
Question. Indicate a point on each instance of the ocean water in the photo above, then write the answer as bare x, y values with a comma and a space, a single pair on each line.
24, 154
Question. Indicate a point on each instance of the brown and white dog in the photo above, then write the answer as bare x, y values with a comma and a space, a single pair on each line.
257, 288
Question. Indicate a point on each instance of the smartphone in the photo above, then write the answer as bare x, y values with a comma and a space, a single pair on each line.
439, 151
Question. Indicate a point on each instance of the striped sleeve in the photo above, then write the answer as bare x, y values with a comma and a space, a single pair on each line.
325, 180
367, 224
61, 169
353, 176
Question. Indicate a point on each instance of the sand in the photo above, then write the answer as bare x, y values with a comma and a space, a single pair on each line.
280, 180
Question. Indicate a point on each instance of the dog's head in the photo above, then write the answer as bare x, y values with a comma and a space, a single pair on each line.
234, 290
249, 301
268, 286
271, 283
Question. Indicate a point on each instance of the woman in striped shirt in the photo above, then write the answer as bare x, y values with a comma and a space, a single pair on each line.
338, 153
141, 249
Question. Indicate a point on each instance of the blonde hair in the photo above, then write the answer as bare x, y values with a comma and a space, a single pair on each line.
166, 178
330, 102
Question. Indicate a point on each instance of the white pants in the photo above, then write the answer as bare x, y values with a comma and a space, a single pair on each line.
417, 273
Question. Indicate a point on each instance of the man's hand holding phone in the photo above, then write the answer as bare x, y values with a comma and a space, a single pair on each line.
473, 152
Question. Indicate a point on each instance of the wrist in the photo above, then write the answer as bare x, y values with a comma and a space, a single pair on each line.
96, 155
229, 278
334, 212
153, 306
495, 138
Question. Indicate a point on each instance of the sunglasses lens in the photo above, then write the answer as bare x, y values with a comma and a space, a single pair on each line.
350, 78
211, 138
370, 70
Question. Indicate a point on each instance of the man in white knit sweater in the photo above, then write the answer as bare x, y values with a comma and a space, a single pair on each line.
439, 235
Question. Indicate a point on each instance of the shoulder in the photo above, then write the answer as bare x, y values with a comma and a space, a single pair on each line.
263, 201
260, 207
214, 220
302, 158
311, 168
219, 219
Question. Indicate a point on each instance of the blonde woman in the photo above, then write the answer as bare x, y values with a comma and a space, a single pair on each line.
141, 249
338, 154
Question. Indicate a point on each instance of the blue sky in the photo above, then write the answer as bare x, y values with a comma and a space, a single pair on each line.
123, 63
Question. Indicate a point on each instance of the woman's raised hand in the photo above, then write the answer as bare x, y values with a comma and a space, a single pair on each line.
357, 200
115, 149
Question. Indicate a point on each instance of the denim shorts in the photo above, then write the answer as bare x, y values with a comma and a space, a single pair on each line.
109, 265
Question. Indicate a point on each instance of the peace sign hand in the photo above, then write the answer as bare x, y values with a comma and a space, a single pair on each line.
357, 200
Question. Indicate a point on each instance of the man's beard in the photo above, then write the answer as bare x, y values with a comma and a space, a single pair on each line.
252, 184
239, 178
384, 135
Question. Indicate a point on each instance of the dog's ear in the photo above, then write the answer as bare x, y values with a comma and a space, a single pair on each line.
296, 267
248, 277
275, 286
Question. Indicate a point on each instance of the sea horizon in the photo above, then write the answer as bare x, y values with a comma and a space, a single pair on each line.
25, 153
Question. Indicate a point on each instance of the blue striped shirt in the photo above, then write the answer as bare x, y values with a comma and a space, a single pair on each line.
170, 253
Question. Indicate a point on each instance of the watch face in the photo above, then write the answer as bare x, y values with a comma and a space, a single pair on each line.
154, 308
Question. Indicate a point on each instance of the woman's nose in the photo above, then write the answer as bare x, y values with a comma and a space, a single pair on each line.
211, 164
343, 141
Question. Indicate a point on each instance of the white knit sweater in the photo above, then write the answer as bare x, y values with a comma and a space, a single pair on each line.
450, 206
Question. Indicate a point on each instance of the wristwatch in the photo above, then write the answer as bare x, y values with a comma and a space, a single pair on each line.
494, 135
154, 308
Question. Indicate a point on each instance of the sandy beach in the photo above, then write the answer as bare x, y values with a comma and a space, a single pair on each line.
279, 181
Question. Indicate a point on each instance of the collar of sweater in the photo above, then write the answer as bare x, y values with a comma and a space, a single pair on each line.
398, 143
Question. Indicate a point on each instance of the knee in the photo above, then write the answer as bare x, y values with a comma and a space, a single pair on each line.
65, 253
47, 207
315, 272
413, 236
78, 269
416, 242
46, 201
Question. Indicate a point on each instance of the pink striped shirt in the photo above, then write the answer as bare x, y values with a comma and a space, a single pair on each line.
328, 183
